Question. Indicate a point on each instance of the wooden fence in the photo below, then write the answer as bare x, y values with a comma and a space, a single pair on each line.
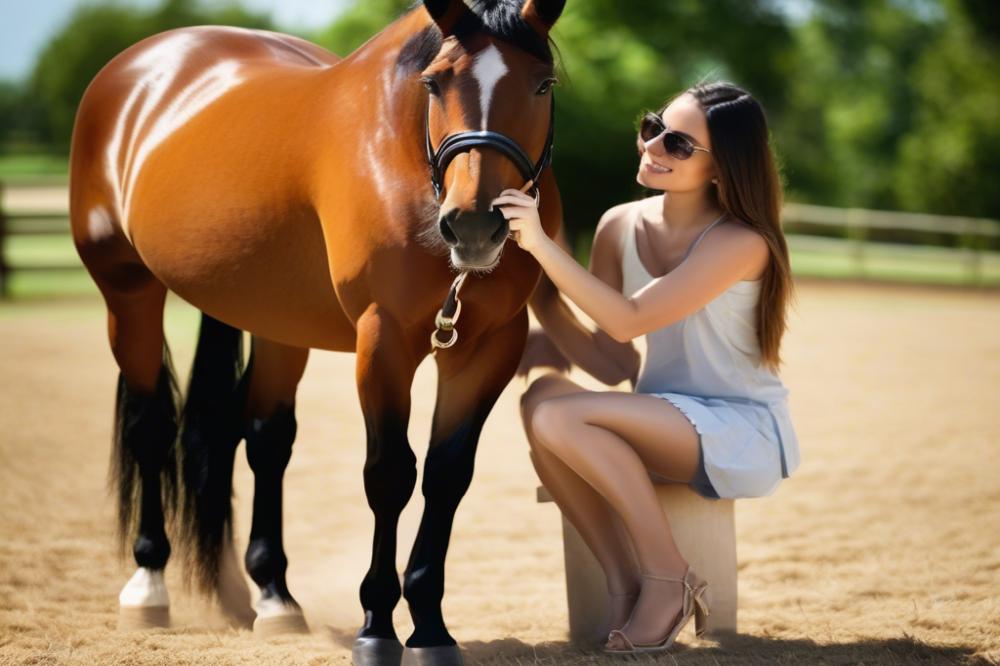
974, 235
31, 221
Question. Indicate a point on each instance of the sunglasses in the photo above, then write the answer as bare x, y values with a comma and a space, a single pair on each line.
678, 146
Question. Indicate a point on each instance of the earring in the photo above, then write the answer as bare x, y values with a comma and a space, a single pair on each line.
715, 181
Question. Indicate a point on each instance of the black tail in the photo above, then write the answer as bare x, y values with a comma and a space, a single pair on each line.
211, 429
144, 462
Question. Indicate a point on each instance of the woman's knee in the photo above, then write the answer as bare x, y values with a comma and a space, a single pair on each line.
550, 423
547, 386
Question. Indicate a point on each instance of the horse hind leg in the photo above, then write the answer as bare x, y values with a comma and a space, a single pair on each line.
270, 431
144, 459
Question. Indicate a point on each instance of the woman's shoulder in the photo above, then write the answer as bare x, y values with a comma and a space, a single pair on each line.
610, 234
614, 218
740, 238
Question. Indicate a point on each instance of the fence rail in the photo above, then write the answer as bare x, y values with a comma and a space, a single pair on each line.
974, 236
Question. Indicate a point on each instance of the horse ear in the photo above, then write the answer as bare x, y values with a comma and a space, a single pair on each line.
542, 14
445, 13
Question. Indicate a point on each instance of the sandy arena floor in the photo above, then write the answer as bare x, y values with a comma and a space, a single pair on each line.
883, 548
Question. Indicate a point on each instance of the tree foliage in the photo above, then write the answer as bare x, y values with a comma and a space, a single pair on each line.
92, 36
872, 103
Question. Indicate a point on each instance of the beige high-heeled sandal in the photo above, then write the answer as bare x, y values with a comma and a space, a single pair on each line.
694, 603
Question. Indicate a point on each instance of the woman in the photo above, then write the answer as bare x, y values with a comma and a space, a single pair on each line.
702, 270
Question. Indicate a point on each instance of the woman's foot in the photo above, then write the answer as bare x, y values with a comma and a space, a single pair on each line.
655, 612
621, 605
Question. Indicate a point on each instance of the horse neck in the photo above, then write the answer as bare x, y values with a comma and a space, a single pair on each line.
383, 106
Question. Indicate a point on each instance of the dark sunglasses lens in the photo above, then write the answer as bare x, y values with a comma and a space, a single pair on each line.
650, 128
677, 146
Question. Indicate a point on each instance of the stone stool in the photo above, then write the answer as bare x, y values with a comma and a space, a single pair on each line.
705, 533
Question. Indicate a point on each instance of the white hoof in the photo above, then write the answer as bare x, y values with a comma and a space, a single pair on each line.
275, 617
143, 602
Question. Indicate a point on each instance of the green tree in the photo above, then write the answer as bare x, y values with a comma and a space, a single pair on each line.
92, 36
950, 162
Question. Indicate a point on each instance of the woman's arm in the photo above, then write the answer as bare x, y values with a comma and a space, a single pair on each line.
718, 262
597, 353
605, 359
732, 253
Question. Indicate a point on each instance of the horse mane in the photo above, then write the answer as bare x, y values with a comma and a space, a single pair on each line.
499, 18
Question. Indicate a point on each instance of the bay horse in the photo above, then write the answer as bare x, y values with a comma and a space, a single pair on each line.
314, 202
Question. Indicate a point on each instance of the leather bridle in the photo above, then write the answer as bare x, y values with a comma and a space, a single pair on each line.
461, 142
438, 160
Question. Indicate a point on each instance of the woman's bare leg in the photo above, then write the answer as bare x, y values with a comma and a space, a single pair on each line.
584, 507
612, 439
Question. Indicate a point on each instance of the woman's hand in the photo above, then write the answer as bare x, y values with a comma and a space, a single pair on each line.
522, 216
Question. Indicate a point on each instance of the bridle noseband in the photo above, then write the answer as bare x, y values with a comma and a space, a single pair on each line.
461, 142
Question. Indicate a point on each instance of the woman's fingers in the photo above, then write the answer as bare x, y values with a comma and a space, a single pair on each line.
513, 197
513, 211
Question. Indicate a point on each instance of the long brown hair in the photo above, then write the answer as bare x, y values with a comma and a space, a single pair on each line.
749, 189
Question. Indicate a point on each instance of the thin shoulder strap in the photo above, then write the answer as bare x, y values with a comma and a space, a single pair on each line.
702, 234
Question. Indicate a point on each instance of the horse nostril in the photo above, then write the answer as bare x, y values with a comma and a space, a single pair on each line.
445, 226
502, 229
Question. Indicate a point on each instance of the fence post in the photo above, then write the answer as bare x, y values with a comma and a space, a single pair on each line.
976, 230
4, 269
856, 232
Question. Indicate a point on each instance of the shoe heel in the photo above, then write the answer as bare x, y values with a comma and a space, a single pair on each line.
703, 602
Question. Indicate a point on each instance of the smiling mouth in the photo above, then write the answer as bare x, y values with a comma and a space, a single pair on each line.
656, 168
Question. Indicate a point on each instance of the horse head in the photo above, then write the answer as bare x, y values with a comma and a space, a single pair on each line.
489, 116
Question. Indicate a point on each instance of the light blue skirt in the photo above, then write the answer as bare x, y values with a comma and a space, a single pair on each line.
742, 453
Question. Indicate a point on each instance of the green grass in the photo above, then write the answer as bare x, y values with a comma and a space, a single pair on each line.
811, 257
33, 168
832, 258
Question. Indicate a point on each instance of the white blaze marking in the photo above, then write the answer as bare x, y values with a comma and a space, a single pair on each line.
489, 69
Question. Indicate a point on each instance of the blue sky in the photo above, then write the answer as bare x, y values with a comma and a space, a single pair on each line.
26, 25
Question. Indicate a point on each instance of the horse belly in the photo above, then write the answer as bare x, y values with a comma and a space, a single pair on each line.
265, 275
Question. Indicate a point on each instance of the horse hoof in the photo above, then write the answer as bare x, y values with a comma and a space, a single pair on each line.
275, 624
143, 602
373, 651
137, 618
439, 655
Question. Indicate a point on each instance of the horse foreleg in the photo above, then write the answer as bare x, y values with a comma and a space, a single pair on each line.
274, 376
470, 379
386, 364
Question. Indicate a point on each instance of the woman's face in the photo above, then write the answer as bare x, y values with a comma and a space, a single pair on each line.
658, 170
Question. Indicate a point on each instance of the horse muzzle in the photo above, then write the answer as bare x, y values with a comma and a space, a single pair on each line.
475, 238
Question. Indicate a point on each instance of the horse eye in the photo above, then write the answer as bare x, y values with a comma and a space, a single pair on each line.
431, 85
546, 85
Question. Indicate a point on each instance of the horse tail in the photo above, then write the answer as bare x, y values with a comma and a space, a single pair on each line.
210, 430
144, 454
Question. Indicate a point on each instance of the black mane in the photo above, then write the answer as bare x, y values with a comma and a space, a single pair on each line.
499, 18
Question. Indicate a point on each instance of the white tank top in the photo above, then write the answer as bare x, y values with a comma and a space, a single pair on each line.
713, 352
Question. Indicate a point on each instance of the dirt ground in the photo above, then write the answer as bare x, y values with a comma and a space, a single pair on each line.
884, 547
